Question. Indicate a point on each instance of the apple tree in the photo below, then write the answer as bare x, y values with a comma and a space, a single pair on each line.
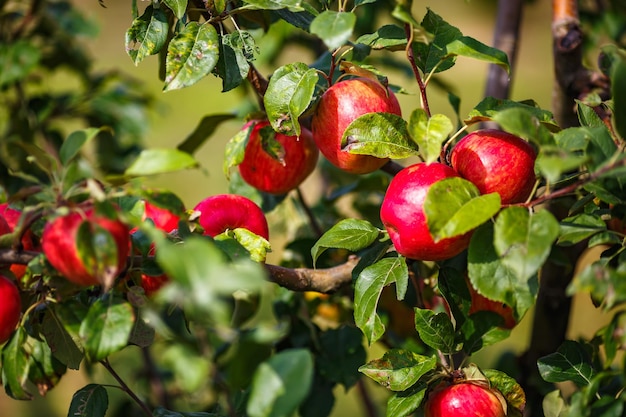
433, 237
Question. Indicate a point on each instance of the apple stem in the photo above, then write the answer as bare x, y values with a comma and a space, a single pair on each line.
144, 407
408, 29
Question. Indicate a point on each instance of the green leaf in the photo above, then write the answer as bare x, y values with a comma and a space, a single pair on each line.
367, 288
383, 135
554, 405
235, 149
160, 161
147, 34
18, 59
350, 234
90, 401
606, 285
292, 5
578, 228
256, 247
64, 347
429, 133
280, 384
436, 330
15, 366
471, 48
45, 371
570, 362
482, 329
289, 94
179, 7
454, 206
403, 404
236, 50
107, 327
205, 129
509, 387
333, 28
162, 412
618, 89
98, 252
553, 162
492, 278
191, 55
523, 241
399, 369
74, 142
391, 37
523, 111
434, 55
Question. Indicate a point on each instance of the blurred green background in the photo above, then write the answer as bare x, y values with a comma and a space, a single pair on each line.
178, 112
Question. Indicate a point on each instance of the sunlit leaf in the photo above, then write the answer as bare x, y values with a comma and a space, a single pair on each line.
429, 133
367, 289
160, 161
15, 366
334, 28
391, 37
399, 369
147, 34
350, 234
45, 370
383, 135
191, 55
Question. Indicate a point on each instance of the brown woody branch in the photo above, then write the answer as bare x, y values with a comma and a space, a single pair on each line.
325, 280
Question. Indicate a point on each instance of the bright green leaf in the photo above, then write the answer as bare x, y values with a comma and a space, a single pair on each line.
524, 240
160, 161
350, 234
391, 37
334, 28
107, 327
45, 371
15, 366
434, 55
508, 386
367, 289
280, 384
235, 149
289, 94
292, 5
399, 369
471, 48
580, 227
429, 133
147, 34
191, 55
454, 206
18, 59
383, 135
436, 330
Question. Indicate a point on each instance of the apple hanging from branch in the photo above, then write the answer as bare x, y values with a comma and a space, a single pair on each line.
223, 212
339, 106
10, 308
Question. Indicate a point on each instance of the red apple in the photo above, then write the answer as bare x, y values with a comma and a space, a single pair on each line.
10, 308
402, 213
268, 174
463, 400
12, 218
59, 244
482, 303
341, 104
496, 161
222, 212
167, 221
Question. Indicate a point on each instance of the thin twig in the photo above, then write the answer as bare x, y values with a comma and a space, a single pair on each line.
408, 29
144, 407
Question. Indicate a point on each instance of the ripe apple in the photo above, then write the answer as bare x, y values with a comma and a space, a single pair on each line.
167, 221
59, 244
10, 308
482, 303
12, 218
402, 213
222, 212
341, 104
496, 161
268, 174
462, 400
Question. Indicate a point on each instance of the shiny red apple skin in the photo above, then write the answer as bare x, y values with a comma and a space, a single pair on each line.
496, 161
59, 244
166, 221
223, 212
463, 400
402, 214
341, 104
265, 173
10, 308
12, 218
